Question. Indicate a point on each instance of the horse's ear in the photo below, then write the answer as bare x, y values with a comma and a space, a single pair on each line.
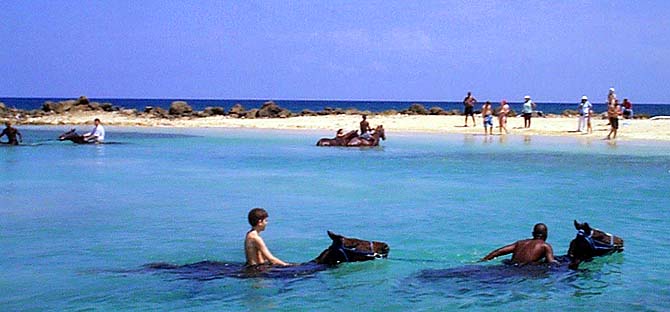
577, 225
586, 227
334, 236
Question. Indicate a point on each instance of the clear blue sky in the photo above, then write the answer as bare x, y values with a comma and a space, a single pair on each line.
556, 51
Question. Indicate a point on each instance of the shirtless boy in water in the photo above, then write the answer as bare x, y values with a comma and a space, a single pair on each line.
254, 246
527, 251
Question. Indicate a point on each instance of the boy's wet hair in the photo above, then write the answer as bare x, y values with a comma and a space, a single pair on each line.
257, 214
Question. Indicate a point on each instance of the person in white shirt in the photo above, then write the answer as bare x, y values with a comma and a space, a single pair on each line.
97, 134
584, 110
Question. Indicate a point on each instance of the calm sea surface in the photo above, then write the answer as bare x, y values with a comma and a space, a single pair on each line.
77, 223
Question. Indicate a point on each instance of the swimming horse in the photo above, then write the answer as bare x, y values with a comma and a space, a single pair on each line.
352, 139
588, 244
342, 249
74, 137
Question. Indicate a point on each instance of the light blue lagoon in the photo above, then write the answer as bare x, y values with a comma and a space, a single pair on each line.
78, 222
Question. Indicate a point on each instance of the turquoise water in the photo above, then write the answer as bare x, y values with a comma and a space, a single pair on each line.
77, 223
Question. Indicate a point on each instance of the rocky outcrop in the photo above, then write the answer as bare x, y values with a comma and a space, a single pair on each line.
237, 111
214, 111
416, 109
180, 109
156, 112
270, 109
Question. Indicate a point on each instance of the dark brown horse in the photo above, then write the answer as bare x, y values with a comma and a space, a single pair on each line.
377, 134
590, 243
342, 141
342, 249
74, 137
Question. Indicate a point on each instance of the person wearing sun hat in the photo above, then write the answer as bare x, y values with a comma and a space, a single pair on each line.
585, 108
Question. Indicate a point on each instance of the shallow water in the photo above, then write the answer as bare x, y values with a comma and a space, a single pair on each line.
77, 223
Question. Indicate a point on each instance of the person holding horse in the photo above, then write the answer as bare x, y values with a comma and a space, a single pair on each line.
11, 134
528, 251
365, 128
96, 135
257, 253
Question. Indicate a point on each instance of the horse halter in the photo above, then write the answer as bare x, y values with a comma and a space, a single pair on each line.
371, 254
595, 244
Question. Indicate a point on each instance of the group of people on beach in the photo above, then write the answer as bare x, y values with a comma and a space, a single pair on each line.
534, 250
585, 111
503, 111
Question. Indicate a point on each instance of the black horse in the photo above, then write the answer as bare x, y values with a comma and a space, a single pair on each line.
341, 250
588, 243
74, 137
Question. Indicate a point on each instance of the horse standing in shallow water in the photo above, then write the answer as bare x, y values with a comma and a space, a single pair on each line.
341, 250
338, 141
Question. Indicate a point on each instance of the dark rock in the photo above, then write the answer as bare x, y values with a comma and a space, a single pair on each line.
417, 109
308, 112
269, 110
108, 107
2, 107
180, 108
251, 114
83, 100
237, 109
213, 111
436, 110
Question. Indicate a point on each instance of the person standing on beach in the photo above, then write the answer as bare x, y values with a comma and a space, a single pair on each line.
502, 116
527, 111
584, 113
528, 251
365, 128
255, 250
469, 110
487, 112
97, 134
613, 113
11, 134
611, 97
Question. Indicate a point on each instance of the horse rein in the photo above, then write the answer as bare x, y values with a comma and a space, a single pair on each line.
597, 244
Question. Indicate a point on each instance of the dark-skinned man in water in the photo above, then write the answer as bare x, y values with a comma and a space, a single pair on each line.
11, 134
528, 251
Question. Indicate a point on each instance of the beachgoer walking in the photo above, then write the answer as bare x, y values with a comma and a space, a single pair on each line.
97, 134
365, 128
469, 108
502, 116
613, 113
627, 109
255, 249
527, 110
487, 112
11, 134
528, 251
585, 108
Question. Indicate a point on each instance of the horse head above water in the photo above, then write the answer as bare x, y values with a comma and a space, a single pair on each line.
344, 249
74, 137
591, 242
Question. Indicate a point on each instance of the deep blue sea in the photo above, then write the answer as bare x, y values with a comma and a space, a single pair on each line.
78, 222
318, 105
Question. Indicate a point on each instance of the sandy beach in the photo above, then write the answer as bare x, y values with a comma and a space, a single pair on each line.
637, 129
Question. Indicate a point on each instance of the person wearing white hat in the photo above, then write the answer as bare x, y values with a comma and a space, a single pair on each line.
585, 108
527, 110
611, 97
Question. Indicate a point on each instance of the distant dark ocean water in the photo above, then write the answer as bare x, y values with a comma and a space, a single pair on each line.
318, 105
